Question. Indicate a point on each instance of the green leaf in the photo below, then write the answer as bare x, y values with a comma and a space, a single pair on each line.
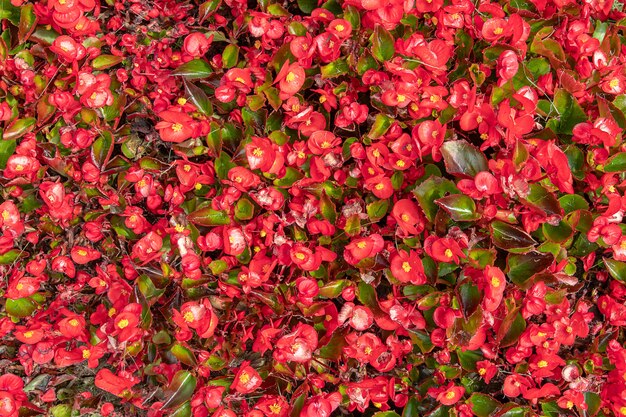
102, 149
244, 209
468, 358
381, 124
616, 163
20, 308
334, 288
510, 238
463, 159
411, 408
538, 67
569, 112
386, 414
307, 6
106, 61
327, 208
460, 207
9, 257
335, 69
559, 233
511, 329
617, 269
573, 202
10, 12
7, 147
333, 349
382, 44
19, 128
230, 56
544, 200
521, 267
209, 217
183, 354
377, 210
194, 70
180, 389
482, 405
28, 22
198, 98
431, 190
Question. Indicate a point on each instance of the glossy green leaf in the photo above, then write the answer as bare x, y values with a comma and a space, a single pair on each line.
573, 202
460, 207
617, 269
569, 112
194, 70
463, 159
102, 149
21, 307
244, 209
616, 163
230, 56
28, 22
198, 98
511, 238
209, 217
521, 267
7, 148
19, 128
542, 199
431, 190
102, 62
482, 405
335, 69
180, 389
386, 414
183, 354
377, 210
382, 44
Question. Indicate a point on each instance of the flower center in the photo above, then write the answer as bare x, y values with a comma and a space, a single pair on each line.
495, 282
258, 152
340, 28
498, 31
361, 245
244, 378
188, 316
614, 83
400, 163
181, 101
482, 371
177, 127
401, 98
290, 77
450, 395
300, 256
275, 408
448, 253
542, 364
82, 252
406, 267
28, 334
6, 215
380, 186
405, 217
122, 323
86, 354
73, 323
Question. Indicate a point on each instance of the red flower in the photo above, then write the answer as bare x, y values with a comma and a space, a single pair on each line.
68, 49
450, 395
444, 249
361, 248
494, 289
119, 385
407, 267
246, 380
83, 255
175, 126
297, 346
321, 405
290, 79
407, 214
197, 44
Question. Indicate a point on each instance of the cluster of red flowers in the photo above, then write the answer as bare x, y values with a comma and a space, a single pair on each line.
312, 208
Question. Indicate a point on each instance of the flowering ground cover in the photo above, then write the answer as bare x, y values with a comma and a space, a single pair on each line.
312, 208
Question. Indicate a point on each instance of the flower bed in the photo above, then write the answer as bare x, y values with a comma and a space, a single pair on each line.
290, 208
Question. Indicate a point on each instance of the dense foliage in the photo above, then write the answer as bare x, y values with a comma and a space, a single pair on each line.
301, 208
